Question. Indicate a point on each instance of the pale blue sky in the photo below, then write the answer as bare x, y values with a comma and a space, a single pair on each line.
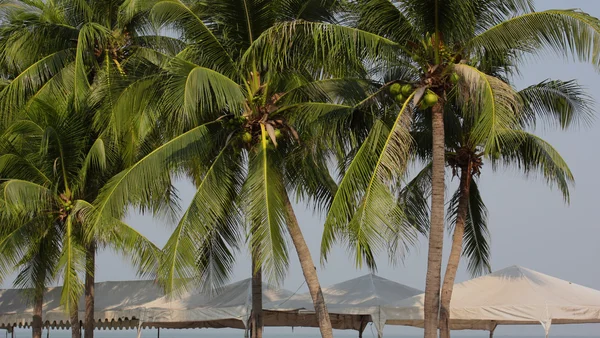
529, 223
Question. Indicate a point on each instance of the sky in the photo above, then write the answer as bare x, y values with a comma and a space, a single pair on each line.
530, 224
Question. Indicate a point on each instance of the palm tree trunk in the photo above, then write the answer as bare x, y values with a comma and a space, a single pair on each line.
309, 271
38, 304
456, 251
436, 232
257, 313
75, 327
90, 261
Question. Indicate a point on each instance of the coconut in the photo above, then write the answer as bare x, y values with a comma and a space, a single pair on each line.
407, 90
400, 98
454, 78
430, 99
277, 133
395, 89
247, 137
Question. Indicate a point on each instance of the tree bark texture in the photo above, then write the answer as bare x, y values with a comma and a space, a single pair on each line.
309, 270
436, 232
456, 251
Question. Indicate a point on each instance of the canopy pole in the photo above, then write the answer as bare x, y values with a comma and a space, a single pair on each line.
158, 333
492, 329
48, 332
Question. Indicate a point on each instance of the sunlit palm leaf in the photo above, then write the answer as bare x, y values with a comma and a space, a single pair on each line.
264, 204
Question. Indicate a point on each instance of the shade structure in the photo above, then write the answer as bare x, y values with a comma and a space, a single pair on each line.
117, 305
511, 296
230, 306
357, 301
136, 304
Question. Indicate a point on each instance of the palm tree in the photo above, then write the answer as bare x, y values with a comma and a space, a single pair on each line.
227, 122
419, 43
51, 169
79, 47
563, 102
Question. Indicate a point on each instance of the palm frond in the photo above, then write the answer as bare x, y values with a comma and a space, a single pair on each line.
263, 198
365, 199
71, 263
569, 33
193, 28
200, 247
561, 103
144, 181
492, 105
476, 239
531, 154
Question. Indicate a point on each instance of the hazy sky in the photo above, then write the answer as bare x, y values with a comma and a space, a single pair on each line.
529, 223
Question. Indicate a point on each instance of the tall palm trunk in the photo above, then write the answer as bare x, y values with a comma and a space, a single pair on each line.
436, 232
38, 304
75, 327
309, 271
90, 261
257, 313
456, 251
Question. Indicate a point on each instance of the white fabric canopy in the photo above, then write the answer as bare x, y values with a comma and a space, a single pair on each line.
117, 304
360, 299
514, 295
131, 304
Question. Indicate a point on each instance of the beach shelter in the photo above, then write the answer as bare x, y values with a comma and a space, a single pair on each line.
117, 305
356, 302
230, 307
138, 304
511, 296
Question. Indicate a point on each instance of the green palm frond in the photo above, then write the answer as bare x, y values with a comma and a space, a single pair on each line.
214, 55
384, 18
530, 154
566, 32
208, 226
560, 103
365, 202
70, 264
17, 167
265, 208
476, 239
148, 178
202, 93
25, 196
334, 47
22, 87
492, 104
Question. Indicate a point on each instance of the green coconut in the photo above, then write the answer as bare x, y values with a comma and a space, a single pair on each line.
400, 98
277, 133
247, 137
430, 99
407, 90
454, 78
395, 89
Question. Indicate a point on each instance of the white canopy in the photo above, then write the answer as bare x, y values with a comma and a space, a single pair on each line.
131, 304
359, 300
514, 295
117, 304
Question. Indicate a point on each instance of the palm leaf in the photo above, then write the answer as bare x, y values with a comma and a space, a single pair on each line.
566, 32
200, 245
263, 198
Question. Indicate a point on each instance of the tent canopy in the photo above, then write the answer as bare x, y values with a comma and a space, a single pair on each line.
117, 304
359, 300
511, 296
